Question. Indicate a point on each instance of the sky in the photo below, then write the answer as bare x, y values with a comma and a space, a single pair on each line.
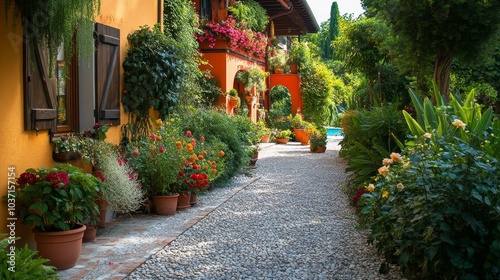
321, 8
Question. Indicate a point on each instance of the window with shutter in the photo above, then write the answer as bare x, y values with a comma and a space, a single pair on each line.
50, 95
107, 73
40, 111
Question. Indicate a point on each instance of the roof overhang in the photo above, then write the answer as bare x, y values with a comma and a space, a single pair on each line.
290, 17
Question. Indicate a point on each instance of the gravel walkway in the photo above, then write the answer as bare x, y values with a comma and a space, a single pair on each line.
292, 222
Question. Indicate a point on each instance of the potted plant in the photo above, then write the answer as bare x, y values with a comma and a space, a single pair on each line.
57, 201
66, 149
234, 99
298, 55
317, 139
264, 132
157, 161
283, 136
277, 60
299, 126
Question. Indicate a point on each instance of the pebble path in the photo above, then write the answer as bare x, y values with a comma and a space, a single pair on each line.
292, 221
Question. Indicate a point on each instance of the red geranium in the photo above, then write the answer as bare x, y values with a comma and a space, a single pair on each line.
28, 178
58, 179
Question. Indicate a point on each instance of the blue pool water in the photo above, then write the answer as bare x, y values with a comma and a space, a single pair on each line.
334, 131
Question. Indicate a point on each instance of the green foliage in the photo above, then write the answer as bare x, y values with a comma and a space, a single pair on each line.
277, 58
438, 30
457, 119
299, 54
281, 104
55, 22
283, 134
333, 30
26, 265
57, 198
317, 91
253, 77
210, 90
157, 160
434, 211
250, 13
233, 134
154, 75
369, 135
317, 136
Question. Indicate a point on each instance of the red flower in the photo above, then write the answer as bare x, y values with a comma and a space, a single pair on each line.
98, 174
58, 179
188, 133
181, 173
202, 138
161, 149
28, 178
153, 136
358, 195
135, 153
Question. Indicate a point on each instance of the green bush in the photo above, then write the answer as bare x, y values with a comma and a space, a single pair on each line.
25, 266
369, 135
435, 211
231, 133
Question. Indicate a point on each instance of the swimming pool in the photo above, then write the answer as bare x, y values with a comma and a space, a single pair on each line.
334, 131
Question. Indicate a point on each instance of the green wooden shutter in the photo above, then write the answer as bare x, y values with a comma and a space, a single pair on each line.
107, 74
40, 107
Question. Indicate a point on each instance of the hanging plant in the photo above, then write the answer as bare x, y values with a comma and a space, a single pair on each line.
253, 77
55, 22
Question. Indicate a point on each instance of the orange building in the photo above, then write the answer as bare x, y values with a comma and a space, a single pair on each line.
287, 18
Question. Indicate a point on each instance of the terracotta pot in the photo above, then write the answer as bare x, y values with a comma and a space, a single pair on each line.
317, 150
253, 161
65, 157
233, 102
282, 140
265, 139
249, 98
278, 71
165, 204
293, 68
89, 234
103, 208
194, 199
184, 201
62, 248
301, 136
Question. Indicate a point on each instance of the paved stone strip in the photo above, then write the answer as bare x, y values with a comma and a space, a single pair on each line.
293, 223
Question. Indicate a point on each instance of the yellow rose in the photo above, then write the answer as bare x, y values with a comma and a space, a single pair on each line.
400, 186
385, 194
396, 157
370, 188
387, 161
384, 170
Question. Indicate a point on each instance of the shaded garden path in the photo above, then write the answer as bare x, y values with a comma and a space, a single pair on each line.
288, 220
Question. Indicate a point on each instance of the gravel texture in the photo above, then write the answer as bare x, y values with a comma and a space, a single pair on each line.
292, 222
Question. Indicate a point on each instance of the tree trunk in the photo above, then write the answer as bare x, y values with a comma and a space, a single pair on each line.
442, 68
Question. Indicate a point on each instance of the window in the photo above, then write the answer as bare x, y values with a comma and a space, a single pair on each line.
206, 10
54, 95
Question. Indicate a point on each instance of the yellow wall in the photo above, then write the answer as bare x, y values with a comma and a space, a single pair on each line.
23, 149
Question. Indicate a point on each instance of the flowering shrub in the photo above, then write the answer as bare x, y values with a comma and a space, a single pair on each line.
241, 39
58, 198
201, 163
435, 209
317, 136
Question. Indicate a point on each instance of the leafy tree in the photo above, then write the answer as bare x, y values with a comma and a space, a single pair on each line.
317, 90
440, 29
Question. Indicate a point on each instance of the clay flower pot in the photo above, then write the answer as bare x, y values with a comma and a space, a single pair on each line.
165, 204
62, 248
184, 201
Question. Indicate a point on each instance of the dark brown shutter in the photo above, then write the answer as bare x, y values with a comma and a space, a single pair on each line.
107, 74
40, 111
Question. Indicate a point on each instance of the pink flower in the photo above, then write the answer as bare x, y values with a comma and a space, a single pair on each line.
136, 152
161, 149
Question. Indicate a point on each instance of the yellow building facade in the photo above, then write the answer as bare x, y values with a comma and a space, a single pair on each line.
22, 148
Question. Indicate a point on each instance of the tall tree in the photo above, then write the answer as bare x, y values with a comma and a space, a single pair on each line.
442, 29
333, 31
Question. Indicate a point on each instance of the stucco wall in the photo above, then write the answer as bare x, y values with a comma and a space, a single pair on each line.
22, 149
